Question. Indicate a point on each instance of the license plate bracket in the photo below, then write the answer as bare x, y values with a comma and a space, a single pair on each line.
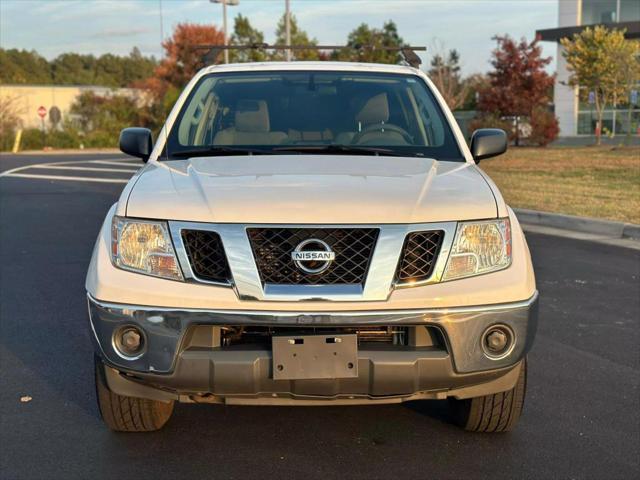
303, 357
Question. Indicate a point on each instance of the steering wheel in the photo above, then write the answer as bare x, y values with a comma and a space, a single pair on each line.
382, 127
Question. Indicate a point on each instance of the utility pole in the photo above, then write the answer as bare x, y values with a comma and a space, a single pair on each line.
224, 22
287, 29
161, 24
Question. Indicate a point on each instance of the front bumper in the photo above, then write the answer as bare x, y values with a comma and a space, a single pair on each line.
172, 363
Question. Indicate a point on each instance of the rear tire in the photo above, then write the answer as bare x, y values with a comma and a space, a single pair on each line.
128, 414
492, 413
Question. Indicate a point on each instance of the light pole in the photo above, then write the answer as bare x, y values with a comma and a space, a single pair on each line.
287, 28
224, 22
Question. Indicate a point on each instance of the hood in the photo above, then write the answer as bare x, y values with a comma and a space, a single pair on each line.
311, 189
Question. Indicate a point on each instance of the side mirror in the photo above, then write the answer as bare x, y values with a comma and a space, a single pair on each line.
137, 142
487, 143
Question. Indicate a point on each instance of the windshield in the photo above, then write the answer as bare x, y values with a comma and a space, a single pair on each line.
308, 111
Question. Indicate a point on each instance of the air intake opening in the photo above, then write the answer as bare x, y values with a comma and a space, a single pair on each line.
419, 256
206, 255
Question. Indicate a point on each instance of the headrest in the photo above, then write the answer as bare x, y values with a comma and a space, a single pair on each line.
375, 110
252, 116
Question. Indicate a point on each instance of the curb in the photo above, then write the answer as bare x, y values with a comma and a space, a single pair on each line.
605, 228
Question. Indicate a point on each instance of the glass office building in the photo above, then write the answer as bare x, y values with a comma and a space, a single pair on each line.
575, 114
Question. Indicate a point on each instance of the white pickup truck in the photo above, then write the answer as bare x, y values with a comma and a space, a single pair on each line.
311, 233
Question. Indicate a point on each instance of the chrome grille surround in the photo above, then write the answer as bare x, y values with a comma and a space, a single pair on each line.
380, 278
353, 248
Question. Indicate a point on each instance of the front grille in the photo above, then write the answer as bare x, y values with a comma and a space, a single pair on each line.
353, 248
206, 255
419, 255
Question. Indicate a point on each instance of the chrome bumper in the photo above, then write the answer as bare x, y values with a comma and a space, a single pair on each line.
165, 330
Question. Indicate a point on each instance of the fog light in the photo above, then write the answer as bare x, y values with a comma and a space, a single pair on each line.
497, 341
129, 341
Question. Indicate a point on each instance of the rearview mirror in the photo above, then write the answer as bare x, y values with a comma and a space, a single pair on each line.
487, 143
137, 142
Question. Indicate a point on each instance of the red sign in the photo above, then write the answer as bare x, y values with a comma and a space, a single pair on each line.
42, 112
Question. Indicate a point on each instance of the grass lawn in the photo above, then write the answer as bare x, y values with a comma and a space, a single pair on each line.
601, 182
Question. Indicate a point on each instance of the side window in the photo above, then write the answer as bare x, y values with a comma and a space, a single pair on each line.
396, 112
198, 111
429, 116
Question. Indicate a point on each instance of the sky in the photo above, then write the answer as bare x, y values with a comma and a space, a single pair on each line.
52, 27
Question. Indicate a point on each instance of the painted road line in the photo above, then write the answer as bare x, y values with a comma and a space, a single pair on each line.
112, 162
14, 172
87, 169
59, 177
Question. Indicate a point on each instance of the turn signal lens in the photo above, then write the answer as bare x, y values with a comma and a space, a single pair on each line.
479, 247
144, 247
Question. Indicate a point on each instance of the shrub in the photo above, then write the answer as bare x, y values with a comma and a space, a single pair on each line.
491, 120
101, 118
7, 138
101, 139
65, 138
544, 127
9, 121
31, 139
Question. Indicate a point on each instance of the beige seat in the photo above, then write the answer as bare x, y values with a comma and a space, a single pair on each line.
252, 126
373, 114
309, 136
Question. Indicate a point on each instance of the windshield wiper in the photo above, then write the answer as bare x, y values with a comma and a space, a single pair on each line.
220, 151
212, 151
342, 149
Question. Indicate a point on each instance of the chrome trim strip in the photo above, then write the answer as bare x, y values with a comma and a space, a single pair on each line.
338, 314
378, 285
313, 292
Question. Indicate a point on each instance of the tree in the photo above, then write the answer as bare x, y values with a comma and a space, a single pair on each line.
180, 64
21, 66
11, 107
518, 83
364, 35
245, 34
136, 67
595, 59
182, 60
73, 69
626, 76
298, 37
101, 117
474, 84
445, 74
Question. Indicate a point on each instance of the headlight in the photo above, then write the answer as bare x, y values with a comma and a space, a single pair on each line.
479, 247
144, 247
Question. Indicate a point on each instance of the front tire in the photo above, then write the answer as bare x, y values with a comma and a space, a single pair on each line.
128, 414
492, 413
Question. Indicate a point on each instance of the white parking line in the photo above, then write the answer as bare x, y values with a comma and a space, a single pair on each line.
75, 179
112, 162
88, 169
19, 171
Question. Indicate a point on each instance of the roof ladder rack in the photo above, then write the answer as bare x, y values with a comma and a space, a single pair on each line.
407, 51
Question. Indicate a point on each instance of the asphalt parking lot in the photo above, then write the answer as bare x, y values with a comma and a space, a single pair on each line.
581, 419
